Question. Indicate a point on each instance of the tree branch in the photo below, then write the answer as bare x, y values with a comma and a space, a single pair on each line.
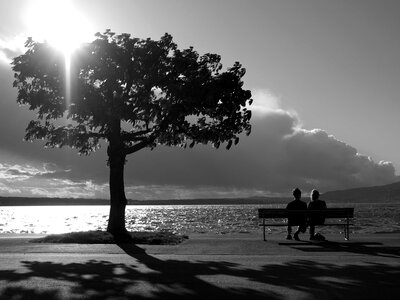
137, 147
129, 136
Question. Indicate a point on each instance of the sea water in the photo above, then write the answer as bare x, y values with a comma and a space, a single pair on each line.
182, 219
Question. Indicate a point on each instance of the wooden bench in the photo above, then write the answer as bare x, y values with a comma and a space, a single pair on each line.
342, 215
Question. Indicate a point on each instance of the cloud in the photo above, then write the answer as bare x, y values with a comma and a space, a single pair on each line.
264, 101
22, 172
47, 180
69, 189
310, 158
149, 192
279, 155
320, 159
8, 191
11, 47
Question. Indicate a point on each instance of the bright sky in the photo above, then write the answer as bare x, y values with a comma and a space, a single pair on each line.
325, 77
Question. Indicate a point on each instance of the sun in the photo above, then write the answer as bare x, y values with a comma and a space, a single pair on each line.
59, 23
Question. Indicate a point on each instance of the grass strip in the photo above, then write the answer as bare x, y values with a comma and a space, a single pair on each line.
103, 237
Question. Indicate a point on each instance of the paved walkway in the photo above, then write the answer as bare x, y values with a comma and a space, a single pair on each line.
204, 267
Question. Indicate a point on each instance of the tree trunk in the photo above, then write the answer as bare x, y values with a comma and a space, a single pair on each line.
116, 221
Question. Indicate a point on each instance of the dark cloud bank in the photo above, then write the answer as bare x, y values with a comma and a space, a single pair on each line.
276, 157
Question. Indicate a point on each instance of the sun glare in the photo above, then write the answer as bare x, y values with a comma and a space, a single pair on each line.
59, 23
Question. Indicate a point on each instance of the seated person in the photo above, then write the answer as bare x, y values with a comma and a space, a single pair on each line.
296, 219
316, 219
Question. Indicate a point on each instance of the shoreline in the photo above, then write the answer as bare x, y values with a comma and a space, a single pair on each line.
246, 236
252, 234
187, 203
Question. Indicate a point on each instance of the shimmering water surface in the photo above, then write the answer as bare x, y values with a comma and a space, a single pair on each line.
183, 219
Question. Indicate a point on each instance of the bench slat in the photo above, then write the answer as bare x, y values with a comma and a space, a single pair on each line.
270, 213
285, 224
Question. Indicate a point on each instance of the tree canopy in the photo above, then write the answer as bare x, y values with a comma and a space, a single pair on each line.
158, 95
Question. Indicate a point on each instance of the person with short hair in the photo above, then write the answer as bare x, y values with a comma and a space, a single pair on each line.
299, 220
316, 219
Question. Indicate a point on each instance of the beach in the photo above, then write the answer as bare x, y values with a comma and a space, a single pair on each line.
206, 266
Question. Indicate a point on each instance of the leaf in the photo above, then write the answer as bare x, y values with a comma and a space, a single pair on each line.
248, 131
229, 145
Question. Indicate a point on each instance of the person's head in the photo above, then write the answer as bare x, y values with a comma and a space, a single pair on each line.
314, 195
297, 193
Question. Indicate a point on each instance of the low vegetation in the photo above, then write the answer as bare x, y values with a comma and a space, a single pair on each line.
103, 237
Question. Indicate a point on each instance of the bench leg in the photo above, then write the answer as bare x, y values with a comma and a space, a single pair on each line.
347, 230
264, 229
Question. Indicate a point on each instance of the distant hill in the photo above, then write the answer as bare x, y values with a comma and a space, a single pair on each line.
26, 201
211, 201
383, 193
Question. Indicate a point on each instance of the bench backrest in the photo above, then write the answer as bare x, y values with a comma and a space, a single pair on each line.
346, 212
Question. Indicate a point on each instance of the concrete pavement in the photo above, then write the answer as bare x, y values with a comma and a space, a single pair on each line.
204, 267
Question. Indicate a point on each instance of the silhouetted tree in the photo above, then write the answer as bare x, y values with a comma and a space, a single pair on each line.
133, 93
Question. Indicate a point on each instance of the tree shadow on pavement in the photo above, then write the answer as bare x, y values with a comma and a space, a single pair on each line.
148, 277
365, 248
